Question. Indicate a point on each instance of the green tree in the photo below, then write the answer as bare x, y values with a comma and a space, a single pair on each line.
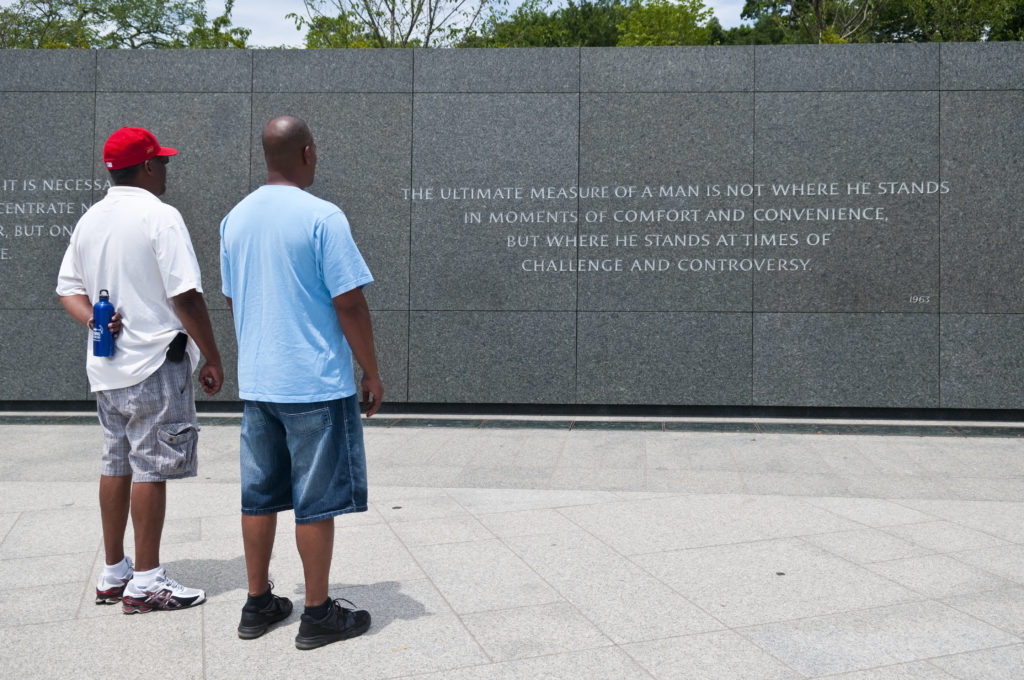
816, 21
147, 23
117, 23
665, 22
767, 30
591, 24
35, 24
949, 20
390, 23
1012, 26
220, 34
332, 32
583, 24
528, 26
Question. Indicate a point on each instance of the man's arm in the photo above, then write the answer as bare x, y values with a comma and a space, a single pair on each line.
354, 317
191, 309
80, 309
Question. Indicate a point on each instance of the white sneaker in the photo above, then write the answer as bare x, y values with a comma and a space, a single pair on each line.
163, 593
109, 591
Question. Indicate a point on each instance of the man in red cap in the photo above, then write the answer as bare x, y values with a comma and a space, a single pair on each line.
138, 248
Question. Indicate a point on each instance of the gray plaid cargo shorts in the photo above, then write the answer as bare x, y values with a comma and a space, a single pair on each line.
150, 430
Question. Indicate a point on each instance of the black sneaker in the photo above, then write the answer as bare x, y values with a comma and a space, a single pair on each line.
339, 624
256, 622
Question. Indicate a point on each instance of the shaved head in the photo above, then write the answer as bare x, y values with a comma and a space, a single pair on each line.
285, 136
289, 150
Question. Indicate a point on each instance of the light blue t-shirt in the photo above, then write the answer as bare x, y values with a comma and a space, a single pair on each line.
284, 254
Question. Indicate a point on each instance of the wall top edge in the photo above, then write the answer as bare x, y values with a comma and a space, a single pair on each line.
684, 69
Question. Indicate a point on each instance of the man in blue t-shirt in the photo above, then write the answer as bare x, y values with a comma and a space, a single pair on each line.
293, 278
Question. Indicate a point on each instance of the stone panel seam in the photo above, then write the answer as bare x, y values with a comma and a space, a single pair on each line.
579, 160
252, 110
753, 178
408, 273
938, 344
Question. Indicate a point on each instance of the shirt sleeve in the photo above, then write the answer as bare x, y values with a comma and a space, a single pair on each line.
175, 256
341, 264
225, 263
69, 279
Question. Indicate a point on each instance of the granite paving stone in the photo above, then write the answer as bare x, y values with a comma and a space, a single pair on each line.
1004, 663
533, 631
7, 520
482, 575
23, 606
898, 486
692, 521
625, 603
412, 507
52, 532
1003, 608
607, 479
937, 576
709, 579
503, 478
416, 475
870, 638
526, 523
1001, 519
438, 531
921, 670
598, 664
696, 481
863, 546
1007, 561
480, 501
762, 582
96, 641
721, 655
945, 536
984, 489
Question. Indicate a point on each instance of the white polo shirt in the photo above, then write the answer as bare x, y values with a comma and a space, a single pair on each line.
138, 248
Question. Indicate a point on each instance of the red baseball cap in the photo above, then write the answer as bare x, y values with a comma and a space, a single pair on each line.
130, 146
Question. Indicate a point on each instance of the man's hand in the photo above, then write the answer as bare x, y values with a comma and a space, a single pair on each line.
115, 324
211, 377
373, 394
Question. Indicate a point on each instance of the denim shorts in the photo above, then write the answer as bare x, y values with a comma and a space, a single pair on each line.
307, 457
150, 430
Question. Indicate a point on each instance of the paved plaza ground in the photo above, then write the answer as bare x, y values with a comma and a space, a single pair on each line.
553, 548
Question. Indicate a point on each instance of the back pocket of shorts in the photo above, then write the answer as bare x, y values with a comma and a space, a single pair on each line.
177, 443
304, 424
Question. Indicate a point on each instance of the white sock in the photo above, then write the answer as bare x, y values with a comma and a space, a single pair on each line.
119, 570
144, 579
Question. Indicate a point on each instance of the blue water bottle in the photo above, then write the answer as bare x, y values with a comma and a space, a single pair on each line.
102, 340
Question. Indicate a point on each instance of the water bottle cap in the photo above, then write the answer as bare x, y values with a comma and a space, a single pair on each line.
104, 294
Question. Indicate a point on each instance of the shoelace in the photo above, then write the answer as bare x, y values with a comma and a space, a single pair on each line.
339, 600
168, 582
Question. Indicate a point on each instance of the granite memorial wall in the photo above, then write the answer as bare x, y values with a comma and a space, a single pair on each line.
803, 226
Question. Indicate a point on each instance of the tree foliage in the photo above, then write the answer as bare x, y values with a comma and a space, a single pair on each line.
220, 34
388, 23
815, 21
949, 20
664, 22
598, 23
47, 24
117, 23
